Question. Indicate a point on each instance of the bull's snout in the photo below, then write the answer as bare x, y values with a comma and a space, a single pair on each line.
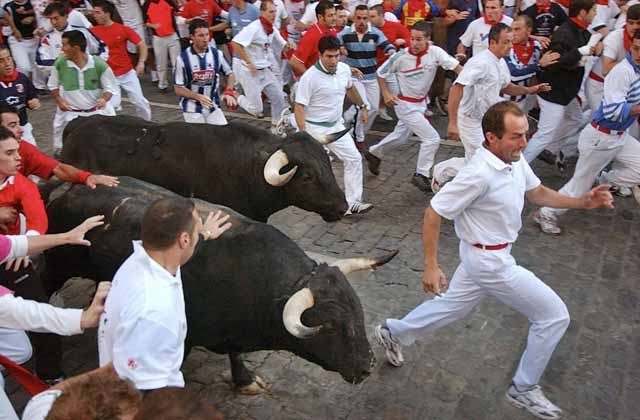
336, 213
360, 374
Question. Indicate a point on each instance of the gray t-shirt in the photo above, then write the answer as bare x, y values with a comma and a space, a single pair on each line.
237, 19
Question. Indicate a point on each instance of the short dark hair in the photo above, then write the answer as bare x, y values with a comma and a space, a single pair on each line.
76, 39
496, 30
361, 7
176, 403
5, 47
423, 26
633, 12
264, 4
636, 35
528, 22
575, 6
5, 108
6, 134
323, 6
196, 24
59, 7
484, 2
378, 9
106, 7
493, 119
328, 42
165, 220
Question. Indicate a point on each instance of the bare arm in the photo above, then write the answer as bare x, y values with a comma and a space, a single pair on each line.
75, 236
607, 65
242, 54
455, 96
597, 197
143, 53
461, 49
299, 113
387, 96
516, 90
219, 27
297, 65
433, 279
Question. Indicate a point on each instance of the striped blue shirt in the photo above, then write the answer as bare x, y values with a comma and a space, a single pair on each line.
200, 73
621, 93
362, 54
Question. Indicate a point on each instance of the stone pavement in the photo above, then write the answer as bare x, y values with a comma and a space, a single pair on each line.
462, 371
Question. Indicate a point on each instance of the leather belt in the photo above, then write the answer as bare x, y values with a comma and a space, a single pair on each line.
491, 247
606, 130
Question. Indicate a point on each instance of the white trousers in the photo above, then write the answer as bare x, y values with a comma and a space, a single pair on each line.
24, 54
14, 345
553, 117
411, 119
163, 48
494, 273
470, 134
594, 91
206, 117
62, 118
345, 149
130, 83
369, 91
597, 150
253, 86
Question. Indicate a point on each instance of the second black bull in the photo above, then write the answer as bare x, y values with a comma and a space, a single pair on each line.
251, 289
239, 166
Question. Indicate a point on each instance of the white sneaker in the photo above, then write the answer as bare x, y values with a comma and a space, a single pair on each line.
154, 76
618, 190
384, 114
534, 401
358, 207
391, 346
548, 224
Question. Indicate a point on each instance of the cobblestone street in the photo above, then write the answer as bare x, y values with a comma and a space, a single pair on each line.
462, 371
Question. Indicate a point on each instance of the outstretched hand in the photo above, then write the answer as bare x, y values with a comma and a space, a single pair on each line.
76, 235
215, 225
599, 196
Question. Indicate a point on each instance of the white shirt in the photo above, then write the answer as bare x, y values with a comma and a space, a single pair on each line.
309, 16
130, 12
295, 9
606, 15
258, 45
410, 79
477, 34
143, 328
486, 198
19, 314
322, 94
483, 77
613, 49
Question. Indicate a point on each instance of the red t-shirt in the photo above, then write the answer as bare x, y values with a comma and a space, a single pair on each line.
162, 13
23, 195
206, 10
34, 162
307, 51
116, 36
393, 31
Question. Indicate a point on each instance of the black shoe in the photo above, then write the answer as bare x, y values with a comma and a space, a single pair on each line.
560, 164
373, 163
547, 157
422, 182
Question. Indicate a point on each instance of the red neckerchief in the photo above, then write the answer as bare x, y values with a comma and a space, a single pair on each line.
579, 23
419, 55
268, 27
564, 3
489, 22
546, 8
14, 76
524, 52
627, 39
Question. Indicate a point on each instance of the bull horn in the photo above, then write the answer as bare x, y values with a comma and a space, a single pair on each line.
292, 312
349, 265
325, 139
272, 175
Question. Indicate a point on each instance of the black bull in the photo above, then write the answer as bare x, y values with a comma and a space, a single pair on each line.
220, 164
235, 287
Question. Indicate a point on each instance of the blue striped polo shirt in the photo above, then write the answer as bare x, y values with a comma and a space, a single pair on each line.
362, 54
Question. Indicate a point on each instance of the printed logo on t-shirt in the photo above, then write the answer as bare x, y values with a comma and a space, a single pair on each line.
484, 37
203, 77
19, 87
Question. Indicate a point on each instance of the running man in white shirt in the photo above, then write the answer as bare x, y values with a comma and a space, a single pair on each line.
254, 45
318, 111
479, 85
476, 36
606, 139
485, 201
405, 80
197, 78
143, 328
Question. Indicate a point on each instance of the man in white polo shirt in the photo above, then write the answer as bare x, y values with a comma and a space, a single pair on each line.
485, 201
143, 328
476, 36
318, 111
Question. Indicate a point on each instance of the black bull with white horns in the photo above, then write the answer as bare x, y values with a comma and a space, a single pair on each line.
251, 289
240, 166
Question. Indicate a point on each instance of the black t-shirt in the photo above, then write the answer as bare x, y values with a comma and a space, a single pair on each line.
23, 16
17, 93
544, 23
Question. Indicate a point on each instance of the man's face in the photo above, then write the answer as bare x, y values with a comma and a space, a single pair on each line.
342, 18
635, 51
269, 13
57, 21
510, 146
329, 60
200, 39
376, 19
194, 236
587, 17
9, 157
6, 63
632, 26
418, 41
329, 18
504, 44
520, 31
362, 20
11, 122
493, 9
69, 51
100, 16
